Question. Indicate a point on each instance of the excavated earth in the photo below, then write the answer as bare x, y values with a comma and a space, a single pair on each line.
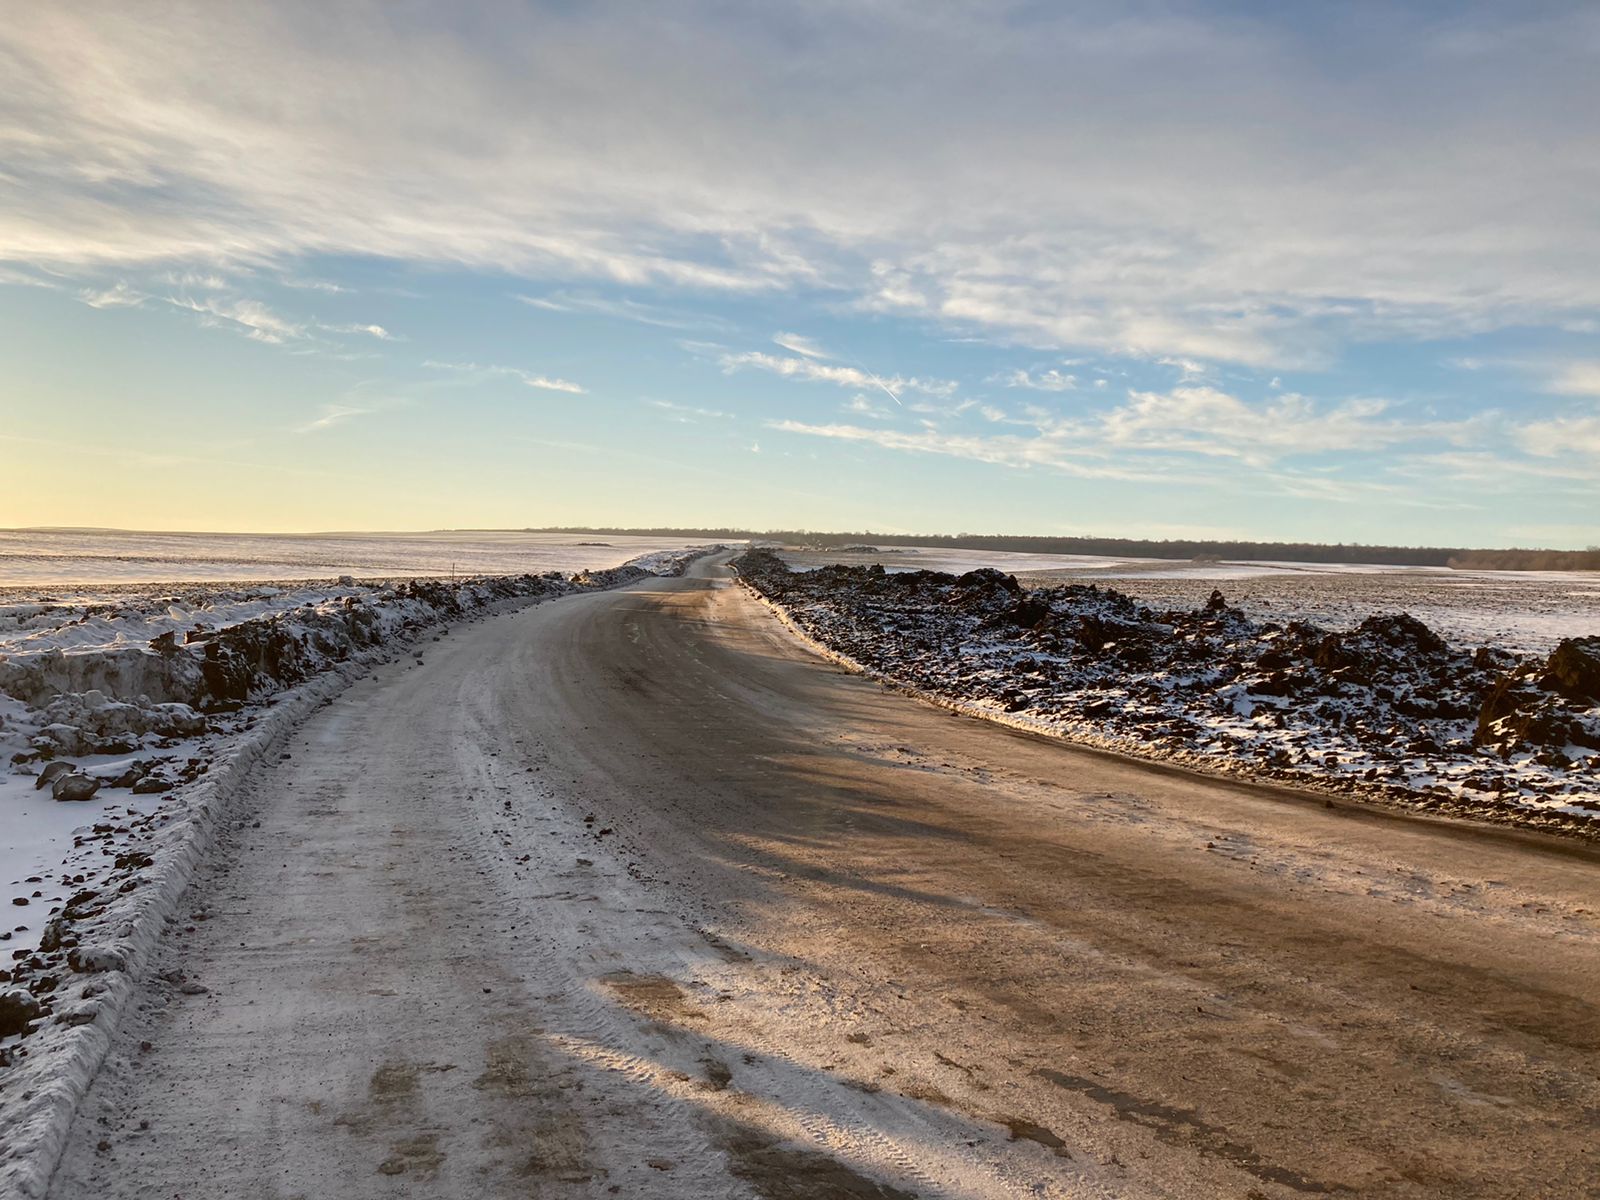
1387, 709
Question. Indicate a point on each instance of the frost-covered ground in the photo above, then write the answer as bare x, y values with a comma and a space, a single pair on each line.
73, 558
151, 704
139, 688
1376, 703
1526, 611
123, 716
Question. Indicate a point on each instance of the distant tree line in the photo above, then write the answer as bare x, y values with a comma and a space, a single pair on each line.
1528, 560
1317, 552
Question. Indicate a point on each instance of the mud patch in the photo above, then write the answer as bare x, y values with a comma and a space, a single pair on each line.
656, 996
1184, 1127
786, 1172
1027, 1131
537, 1129
393, 1082
505, 1070
718, 1074
419, 1156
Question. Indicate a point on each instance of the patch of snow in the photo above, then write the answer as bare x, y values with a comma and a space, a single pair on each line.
109, 871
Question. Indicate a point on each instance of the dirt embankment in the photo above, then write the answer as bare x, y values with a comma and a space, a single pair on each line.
1387, 709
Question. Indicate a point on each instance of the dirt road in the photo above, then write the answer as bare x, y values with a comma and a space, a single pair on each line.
627, 895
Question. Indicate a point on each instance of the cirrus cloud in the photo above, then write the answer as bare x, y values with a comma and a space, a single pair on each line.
1167, 217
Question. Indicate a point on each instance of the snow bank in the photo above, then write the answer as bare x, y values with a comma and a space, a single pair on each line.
168, 730
1386, 709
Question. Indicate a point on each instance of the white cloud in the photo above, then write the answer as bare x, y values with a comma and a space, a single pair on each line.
313, 285
1561, 437
842, 376
798, 344
1577, 379
374, 331
1008, 450
1188, 368
1051, 380
687, 412
1268, 222
1206, 421
118, 295
490, 371
333, 414
255, 319
549, 384
1292, 442
16, 278
640, 313
206, 281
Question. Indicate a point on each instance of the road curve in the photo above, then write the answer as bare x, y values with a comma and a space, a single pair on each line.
628, 894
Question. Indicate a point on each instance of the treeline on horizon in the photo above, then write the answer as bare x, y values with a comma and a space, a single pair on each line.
1316, 552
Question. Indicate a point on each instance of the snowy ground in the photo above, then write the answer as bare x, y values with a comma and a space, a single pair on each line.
1525, 611
156, 707
1373, 701
83, 679
74, 558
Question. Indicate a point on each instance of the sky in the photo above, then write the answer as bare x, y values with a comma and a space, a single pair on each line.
1310, 271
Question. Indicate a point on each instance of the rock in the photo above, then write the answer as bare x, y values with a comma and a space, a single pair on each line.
1573, 669
76, 786
52, 772
18, 1009
151, 784
132, 774
1217, 601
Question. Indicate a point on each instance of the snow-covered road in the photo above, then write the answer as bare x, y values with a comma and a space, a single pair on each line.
628, 895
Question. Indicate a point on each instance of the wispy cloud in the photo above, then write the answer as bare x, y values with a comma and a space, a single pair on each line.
689, 412
1009, 450
1576, 379
334, 414
1262, 242
660, 316
314, 285
118, 295
812, 370
492, 371
1189, 369
1563, 437
250, 317
1180, 434
373, 331
549, 384
1051, 380
798, 344
207, 281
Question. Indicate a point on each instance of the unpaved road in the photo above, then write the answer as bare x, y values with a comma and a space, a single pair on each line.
627, 895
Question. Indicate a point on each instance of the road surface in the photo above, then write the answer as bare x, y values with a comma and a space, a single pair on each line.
629, 895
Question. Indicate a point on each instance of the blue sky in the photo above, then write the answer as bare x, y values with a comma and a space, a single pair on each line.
1228, 269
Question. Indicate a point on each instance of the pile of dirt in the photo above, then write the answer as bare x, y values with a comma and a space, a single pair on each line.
1387, 706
